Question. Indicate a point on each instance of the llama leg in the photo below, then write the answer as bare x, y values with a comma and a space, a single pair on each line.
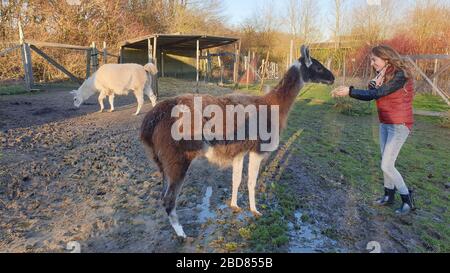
175, 173
111, 102
140, 101
101, 97
238, 163
169, 201
153, 99
151, 95
253, 170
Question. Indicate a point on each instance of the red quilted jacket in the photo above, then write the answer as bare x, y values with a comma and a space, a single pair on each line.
396, 108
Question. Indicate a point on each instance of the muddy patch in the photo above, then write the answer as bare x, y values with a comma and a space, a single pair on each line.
43, 111
74, 175
305, 237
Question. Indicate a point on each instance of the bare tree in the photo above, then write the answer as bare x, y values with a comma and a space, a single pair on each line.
293, 18
428, 20
374, 22
302, 20
338, 16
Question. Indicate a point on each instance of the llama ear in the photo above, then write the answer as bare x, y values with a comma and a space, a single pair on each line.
73, 92
305, 54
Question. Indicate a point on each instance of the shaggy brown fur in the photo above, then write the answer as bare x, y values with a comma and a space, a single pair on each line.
174, 157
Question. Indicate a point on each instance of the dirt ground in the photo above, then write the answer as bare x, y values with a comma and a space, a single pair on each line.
77, 175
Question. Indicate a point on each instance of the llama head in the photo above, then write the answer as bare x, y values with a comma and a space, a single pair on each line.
77, 98
312, 70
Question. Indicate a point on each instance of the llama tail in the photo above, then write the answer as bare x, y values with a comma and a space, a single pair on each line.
148, 126
151, 68
147, 129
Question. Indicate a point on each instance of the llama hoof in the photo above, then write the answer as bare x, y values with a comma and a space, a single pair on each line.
235, 208
256, 213
111, 110
100, 111
182, 235
179, 231
135, 114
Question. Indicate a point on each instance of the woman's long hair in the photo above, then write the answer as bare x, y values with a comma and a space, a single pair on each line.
394, 59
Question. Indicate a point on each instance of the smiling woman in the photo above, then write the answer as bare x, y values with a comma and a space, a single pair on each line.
393, 89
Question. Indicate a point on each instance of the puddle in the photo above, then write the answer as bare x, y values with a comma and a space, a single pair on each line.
223, 206
307, 238
205, 212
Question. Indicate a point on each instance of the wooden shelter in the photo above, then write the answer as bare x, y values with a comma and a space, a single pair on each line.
175, 55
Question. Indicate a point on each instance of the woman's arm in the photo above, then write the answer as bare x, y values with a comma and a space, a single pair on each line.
393, 85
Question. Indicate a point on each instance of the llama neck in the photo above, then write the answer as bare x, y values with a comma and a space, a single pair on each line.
87, 89
285, 93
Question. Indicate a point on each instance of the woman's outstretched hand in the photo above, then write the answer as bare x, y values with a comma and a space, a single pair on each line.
341, 91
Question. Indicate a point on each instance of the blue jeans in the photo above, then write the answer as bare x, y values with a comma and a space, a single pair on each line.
392, 138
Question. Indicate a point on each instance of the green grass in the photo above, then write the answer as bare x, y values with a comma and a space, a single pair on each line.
430, 102
17, 89
349, 143
12, 89
426, 102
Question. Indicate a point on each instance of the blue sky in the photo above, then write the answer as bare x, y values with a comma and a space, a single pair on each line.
238, 10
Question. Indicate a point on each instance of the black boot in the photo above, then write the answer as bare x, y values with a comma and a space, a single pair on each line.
388, 198
407, 204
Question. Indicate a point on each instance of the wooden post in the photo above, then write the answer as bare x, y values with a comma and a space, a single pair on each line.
221, 70
155, 61
435, 80
94, 55
162, 63
155, 47
149, 51
208, 66
248, 68
251, 66
264, 71
197, 62
26, 60
121, 51
236, 64
27, 65
88, 63
105, 53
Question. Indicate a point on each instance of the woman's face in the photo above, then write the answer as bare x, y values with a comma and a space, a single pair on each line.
377, 62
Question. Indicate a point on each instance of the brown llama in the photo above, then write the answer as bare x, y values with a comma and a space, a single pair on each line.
173, 155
